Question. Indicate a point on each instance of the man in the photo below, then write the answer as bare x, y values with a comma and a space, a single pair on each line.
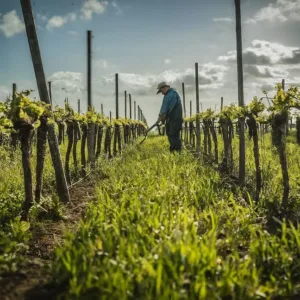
171, 114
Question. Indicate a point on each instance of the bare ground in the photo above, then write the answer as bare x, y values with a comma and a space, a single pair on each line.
33, 279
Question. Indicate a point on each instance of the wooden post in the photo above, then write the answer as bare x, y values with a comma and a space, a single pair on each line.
89, 68
242, 160
125, 94
197, 109
117, 95
50, 92
191, 124
138, 116
287, 124
183, 95
283, 84
222, 103
110, 116
61, 183
14, 91
117, 128
102, 112
130, 107
78, 104
134, 110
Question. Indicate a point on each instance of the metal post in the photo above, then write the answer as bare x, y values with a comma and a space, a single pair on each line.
222, 102
78, 104
89, 68
102, 113
61, 183
242, 160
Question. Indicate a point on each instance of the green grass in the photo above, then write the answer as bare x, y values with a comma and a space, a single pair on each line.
164, 227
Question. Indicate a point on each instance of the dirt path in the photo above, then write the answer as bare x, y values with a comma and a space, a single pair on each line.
31, 280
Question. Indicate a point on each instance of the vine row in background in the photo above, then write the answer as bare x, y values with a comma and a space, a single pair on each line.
25, 122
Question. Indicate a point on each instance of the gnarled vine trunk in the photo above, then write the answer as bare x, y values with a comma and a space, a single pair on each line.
41, 154
77, 137
99, 141
82, 150
70, 133
253, 133
25, 132
215, 139
91, 144
278, 136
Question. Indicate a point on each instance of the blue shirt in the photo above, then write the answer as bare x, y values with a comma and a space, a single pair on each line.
171, 105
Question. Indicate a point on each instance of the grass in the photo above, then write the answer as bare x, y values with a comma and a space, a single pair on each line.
165, 227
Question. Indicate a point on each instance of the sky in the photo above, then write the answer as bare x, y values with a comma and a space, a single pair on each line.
147, 42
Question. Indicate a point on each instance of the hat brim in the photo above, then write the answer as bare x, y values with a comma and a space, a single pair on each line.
159, 91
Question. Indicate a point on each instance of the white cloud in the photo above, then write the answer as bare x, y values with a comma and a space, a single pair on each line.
4, 92
265, 53
11, 24
265, 72
167, 61
281, 11
59, 21
211, 76
71, 82
223, 20
117, 8
91, 7
101, 63
42, 17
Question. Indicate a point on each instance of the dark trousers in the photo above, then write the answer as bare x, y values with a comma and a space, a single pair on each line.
173, 132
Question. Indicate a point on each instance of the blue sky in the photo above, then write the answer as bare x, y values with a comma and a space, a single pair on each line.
150, 41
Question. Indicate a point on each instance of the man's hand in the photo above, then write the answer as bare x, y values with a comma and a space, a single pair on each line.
161, 118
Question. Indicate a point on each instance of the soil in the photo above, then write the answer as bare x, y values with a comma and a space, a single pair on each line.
33, 279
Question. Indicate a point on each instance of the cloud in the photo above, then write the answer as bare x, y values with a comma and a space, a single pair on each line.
71, 82
211, 76
265, 72
11, 24
265, 53
117, 8
167, 61
281, 11
91, 7
42, 17
101, 63
4, 92
222, 20
59, 21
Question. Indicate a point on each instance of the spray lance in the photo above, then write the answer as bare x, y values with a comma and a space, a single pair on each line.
149, 129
